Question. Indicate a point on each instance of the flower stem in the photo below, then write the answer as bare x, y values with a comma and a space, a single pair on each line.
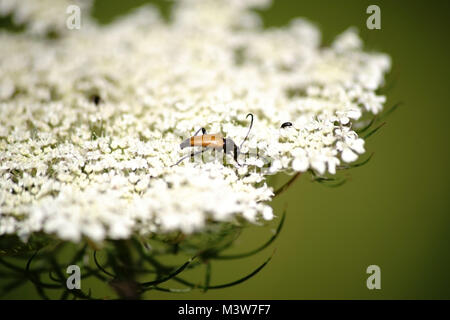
124, 284
287, 184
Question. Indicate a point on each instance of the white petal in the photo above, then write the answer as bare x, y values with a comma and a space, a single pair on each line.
319, 166
300, 164
358, 146
348, 155
267, 213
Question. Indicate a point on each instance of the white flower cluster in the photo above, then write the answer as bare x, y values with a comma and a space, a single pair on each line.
91, 123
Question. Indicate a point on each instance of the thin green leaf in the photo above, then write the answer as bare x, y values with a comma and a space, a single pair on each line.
11, 266
35, 278
77, 293
172, 290
40, 291
363, 129
11, 286
390, 110
100, 267
78, 255
323, 179
92, 272
230, 284
373, 131
287, 184
170, 276
64, 295
336, 185
265, 245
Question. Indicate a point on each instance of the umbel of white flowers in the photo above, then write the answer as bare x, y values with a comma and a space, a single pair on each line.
91, 123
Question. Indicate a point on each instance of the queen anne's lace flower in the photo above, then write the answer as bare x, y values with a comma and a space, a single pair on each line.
91, 123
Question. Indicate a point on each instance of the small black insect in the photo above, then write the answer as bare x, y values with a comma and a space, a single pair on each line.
286, 124
95, 98
213, 141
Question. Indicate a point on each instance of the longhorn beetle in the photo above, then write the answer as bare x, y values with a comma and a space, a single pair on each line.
213, 141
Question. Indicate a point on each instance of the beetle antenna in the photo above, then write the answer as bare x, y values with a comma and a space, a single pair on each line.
250, 128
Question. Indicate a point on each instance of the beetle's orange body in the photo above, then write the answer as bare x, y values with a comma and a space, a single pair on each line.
214, 140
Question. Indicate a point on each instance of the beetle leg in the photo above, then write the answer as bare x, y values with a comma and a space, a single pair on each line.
203, 130
189, 155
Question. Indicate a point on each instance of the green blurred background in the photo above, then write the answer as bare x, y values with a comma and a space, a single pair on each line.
394, 212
